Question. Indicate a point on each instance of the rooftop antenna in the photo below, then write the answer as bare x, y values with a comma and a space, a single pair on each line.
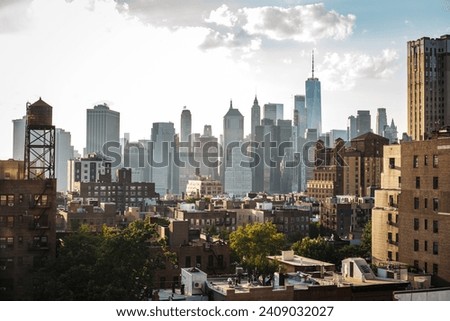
313, 64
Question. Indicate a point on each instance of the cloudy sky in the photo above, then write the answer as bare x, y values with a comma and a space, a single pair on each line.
149, 58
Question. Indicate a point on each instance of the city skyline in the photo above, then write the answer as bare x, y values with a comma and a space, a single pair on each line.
202, 56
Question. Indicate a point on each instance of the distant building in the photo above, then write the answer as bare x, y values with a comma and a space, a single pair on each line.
102, 126
64, 152
313, 102
381, 121
255, 118
203, 186
89, 169
19, 138
274, 112
363, 122
162, 167
123, 192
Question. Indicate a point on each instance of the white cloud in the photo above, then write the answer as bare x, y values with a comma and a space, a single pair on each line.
222, 16
342, 71
308, 23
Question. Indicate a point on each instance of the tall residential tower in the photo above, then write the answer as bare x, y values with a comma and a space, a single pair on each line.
428, 86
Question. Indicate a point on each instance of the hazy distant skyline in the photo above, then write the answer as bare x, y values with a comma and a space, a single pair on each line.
148, 59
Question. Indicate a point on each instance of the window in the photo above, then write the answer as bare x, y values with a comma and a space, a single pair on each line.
435, 226
416, 245
425, 200
435, 204
435, 182
187, 261
425, 224
198, 260
390, 255
416, 224
415, 161
417, 182
425, 160
435, 248
425, 246
416, 203
435, 161
391, 162
435, 269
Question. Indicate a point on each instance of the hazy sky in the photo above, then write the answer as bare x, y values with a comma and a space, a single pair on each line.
149, 58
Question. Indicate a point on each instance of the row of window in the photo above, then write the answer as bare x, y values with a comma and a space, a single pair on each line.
435, 204
198, 261
425, 246
416, 225
10, 199
425, 267
435, 182
7, 242
435, 161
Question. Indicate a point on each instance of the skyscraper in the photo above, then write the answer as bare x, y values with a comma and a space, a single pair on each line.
363, 122
255, 118
313, 102
273, 111
64, 151
233, 134
102, 126
161, 167
186, 125
381, 121
233, 131
19, 138
300, 114
428, 86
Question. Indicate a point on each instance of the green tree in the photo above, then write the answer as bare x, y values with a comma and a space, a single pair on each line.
253, 243
318, 249
114, 265
366, 240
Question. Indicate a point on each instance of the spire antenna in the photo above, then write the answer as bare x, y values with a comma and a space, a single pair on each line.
313, 64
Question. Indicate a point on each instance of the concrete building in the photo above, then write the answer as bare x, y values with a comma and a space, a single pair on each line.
424, 207
122, 192
92, 168
94, 217
102, 126
428, 85
385, 214
207, 220
203, 187
346, 215
307, 280
289, 219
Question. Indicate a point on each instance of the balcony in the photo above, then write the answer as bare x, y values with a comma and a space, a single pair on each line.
392, 223
392, 242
